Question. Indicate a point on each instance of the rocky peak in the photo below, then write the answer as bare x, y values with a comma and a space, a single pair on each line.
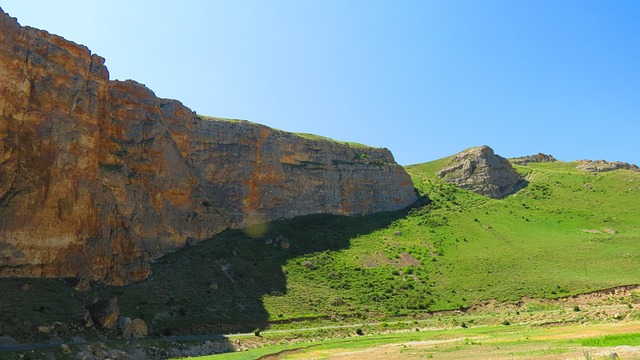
537, 158
480, 170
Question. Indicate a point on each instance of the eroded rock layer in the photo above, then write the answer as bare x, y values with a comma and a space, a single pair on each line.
537, 158
97, 177
603, 166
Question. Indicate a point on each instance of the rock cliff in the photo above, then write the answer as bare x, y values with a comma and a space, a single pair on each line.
99, 177
480, 170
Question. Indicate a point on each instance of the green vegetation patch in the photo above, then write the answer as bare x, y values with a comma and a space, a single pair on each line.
568, 232
632, 339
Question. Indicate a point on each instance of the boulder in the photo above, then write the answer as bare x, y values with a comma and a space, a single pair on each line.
85, 317
105, 313
480, 170
130, 329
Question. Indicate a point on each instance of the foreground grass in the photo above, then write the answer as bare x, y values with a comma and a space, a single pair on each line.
488, 342
632, 339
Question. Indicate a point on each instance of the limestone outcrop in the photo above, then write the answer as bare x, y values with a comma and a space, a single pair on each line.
603, 166
480, 170
537, 158
99, 177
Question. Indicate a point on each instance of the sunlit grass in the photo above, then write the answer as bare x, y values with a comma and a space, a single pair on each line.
613, 340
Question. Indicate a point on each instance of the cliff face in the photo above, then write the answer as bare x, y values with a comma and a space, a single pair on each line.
98, 177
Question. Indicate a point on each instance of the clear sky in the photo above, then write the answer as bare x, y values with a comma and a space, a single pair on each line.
425, 78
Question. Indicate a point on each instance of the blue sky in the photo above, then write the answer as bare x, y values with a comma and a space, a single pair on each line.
425, 78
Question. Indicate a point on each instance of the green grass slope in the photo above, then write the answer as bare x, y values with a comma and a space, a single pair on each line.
568, 232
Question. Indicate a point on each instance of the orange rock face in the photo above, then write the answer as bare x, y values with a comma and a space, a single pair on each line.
99, 177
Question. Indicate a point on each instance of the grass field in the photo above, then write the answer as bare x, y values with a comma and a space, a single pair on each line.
488, 342
630, 339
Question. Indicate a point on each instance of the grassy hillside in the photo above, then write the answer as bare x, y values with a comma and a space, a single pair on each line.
568, 232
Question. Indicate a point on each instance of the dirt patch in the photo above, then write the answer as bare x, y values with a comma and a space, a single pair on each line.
623, 352
594, 231
592, 330
619, 294
453, 349
380, 258
376, 259
504, 346
407, 259
280, 354
382, 352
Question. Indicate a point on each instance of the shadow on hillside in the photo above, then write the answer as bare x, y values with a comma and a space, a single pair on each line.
217, 286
